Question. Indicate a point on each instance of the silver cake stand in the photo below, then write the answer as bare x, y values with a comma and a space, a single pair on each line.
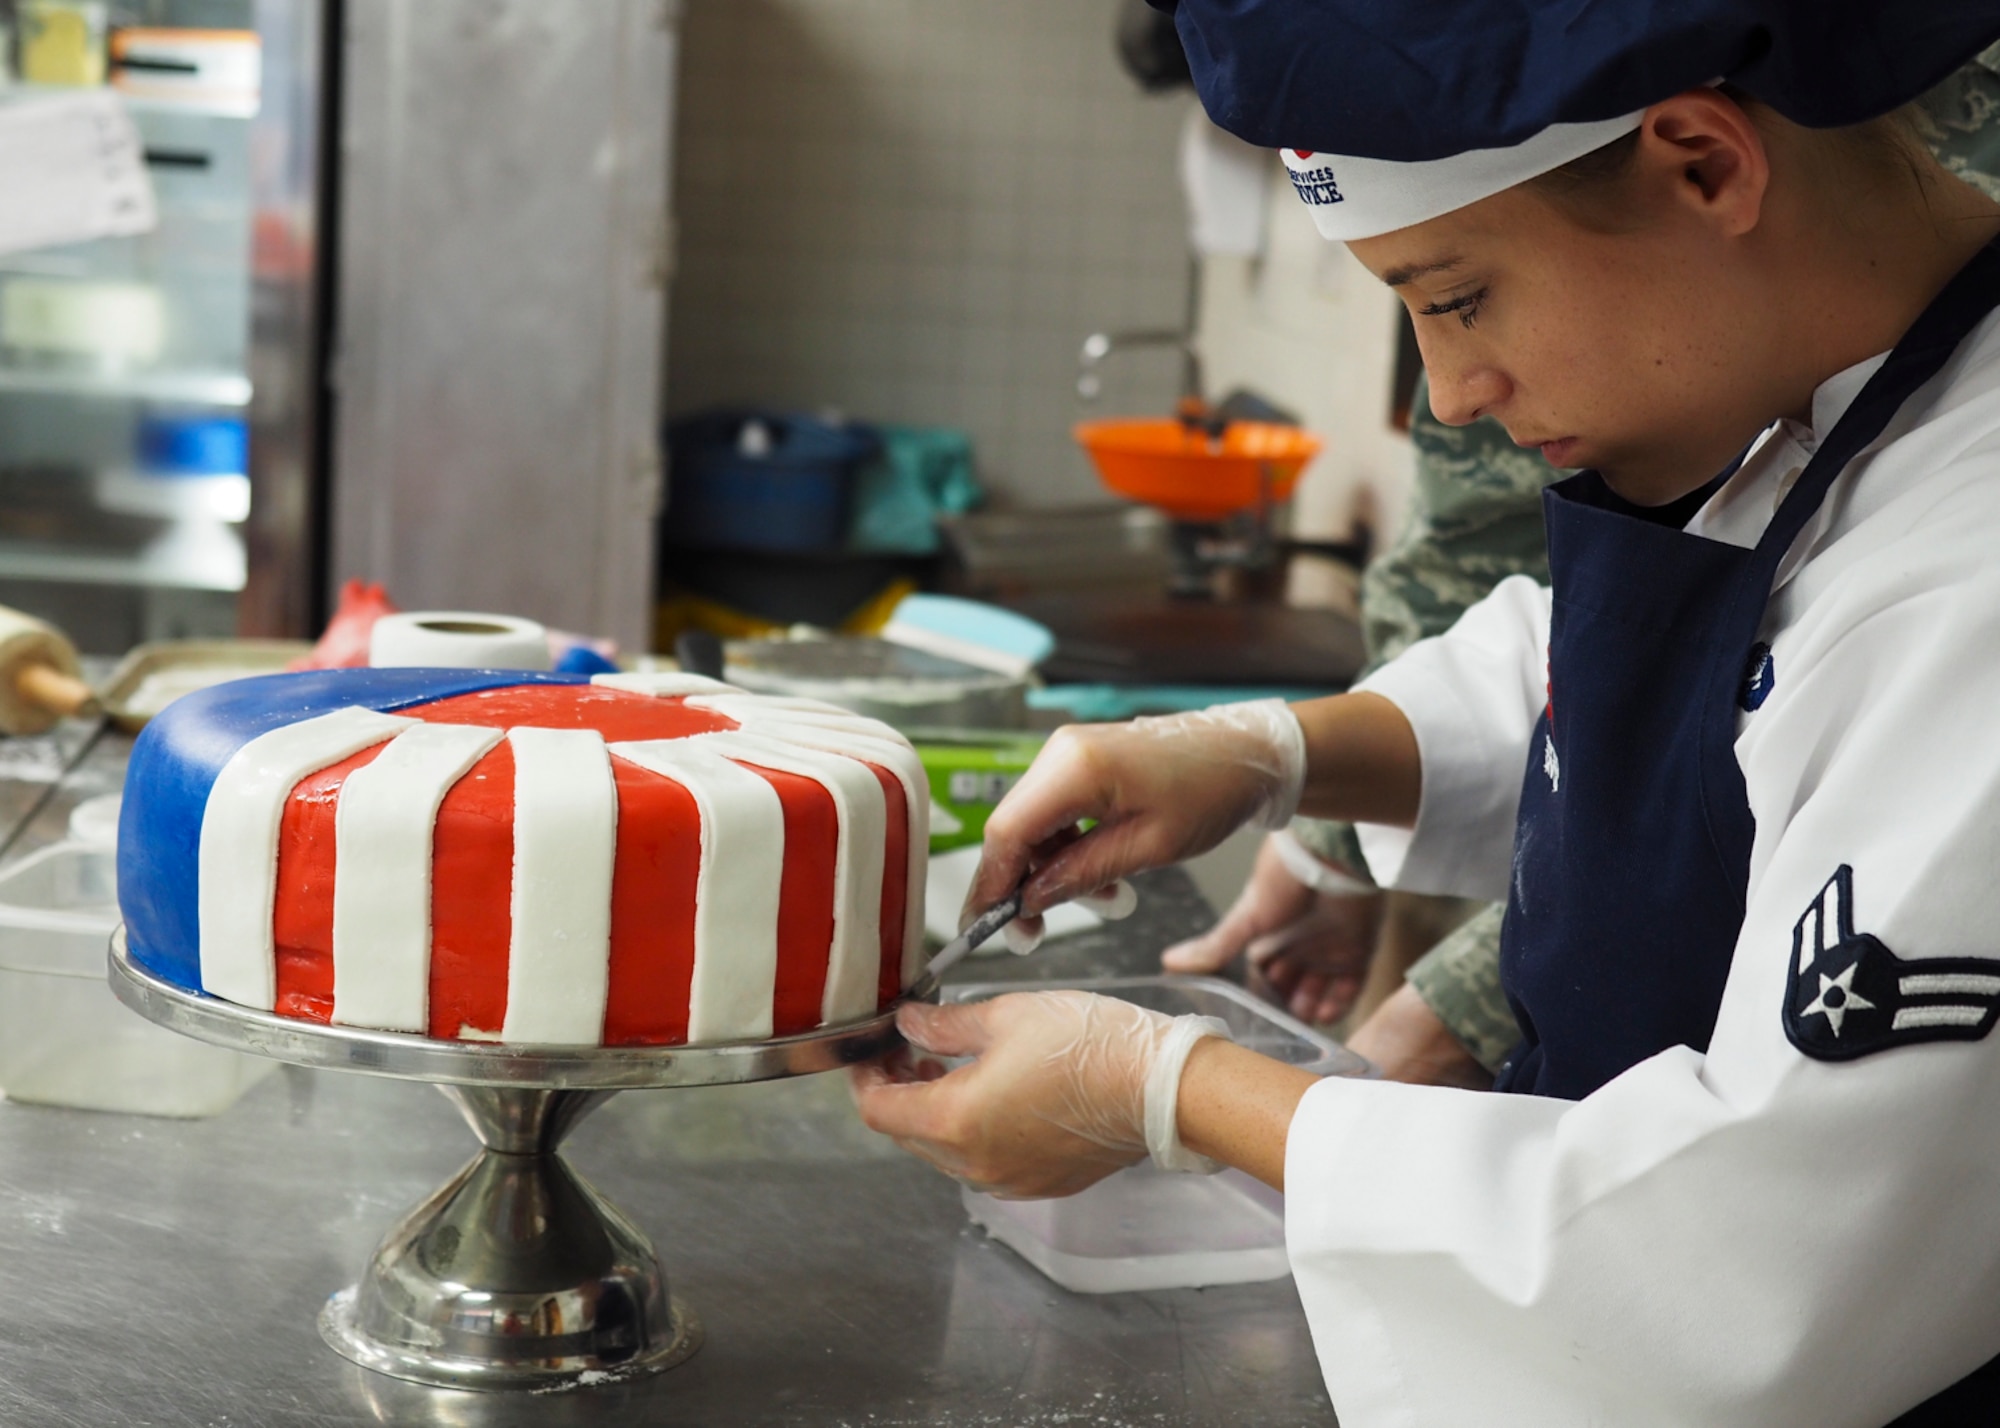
515, 1273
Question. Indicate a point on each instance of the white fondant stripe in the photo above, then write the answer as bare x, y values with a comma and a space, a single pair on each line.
809, 723
813, 723
854, 967
736, 891
237, 880
902, 761
1937, 1016
786, 704
565, 845
382, 874
664, 683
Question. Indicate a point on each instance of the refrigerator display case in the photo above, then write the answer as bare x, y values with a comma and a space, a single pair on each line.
160, 395
432, 363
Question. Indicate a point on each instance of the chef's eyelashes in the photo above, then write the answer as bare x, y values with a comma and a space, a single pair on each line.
1466, 306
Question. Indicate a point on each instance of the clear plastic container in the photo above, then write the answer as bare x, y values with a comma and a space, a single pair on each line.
1141, 1228
65, 1040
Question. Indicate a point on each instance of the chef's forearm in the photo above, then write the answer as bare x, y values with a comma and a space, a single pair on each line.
1236, 1106
1362, 763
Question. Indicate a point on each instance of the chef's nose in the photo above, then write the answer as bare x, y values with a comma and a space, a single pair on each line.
1461, 393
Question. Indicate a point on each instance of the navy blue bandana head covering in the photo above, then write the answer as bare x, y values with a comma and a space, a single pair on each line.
1410, 80
1394, 111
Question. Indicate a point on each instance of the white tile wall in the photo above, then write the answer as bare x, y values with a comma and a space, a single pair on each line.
915, 210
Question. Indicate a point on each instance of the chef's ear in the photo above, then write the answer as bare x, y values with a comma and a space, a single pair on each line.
1708, 152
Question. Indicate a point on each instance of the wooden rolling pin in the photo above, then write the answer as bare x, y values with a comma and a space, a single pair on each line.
40, 679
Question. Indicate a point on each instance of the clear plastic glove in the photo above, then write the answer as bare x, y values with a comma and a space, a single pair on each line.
1311, 949
1063, 1089
1159, 789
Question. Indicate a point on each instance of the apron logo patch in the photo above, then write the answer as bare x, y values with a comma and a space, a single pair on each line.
1760, 676
1849, 996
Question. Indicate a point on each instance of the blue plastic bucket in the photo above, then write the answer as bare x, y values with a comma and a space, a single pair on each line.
761, 481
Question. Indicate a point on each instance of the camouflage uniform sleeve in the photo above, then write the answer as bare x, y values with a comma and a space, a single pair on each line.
1459, 979
1475, 519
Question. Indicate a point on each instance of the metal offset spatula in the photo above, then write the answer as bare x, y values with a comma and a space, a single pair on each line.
983, 927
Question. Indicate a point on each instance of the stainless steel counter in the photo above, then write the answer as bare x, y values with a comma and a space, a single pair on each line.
168, 1273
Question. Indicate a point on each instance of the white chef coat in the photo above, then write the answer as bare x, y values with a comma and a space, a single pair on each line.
1749, 1236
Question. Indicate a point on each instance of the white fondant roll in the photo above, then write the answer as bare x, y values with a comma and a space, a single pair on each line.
382, 884
565, 845
457, 639
855, 963
736, 891
238, 858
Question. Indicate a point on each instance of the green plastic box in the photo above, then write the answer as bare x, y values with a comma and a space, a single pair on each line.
970, 771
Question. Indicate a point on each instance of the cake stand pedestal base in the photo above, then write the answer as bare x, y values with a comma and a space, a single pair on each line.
516, 1273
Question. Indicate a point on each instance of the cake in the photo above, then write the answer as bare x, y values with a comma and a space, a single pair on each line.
492, 855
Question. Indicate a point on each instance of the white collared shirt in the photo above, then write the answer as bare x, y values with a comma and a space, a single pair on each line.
1747, 1236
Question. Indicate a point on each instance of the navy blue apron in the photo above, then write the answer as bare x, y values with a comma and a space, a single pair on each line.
1632, 853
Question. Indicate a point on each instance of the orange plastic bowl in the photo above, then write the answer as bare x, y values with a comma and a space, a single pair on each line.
1161, 462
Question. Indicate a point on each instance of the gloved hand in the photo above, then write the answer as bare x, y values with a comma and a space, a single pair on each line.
1064, 1089
1311, 947
1410, 1042
1160, 789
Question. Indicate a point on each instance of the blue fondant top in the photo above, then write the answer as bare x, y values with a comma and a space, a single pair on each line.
177, 757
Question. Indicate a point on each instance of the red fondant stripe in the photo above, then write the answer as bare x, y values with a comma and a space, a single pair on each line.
895, 886
472, 882
652, 909
805, 901
302, 915
618, 714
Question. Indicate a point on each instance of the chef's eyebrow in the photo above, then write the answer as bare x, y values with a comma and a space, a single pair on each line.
1400, 277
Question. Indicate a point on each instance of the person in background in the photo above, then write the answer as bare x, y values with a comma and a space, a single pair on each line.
1475, 519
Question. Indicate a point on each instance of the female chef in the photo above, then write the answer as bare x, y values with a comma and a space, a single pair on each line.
1750, 1171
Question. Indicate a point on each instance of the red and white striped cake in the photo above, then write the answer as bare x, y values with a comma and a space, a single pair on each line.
480, 856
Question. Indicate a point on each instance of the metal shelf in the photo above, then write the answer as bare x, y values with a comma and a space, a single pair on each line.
158, 567
200, 389
220, 497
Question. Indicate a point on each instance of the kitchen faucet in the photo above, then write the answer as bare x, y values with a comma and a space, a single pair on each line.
1099, 345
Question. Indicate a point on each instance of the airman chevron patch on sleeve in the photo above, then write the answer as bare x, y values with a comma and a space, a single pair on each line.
1850, 996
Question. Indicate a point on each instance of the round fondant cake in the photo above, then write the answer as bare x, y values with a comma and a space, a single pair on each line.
501, 856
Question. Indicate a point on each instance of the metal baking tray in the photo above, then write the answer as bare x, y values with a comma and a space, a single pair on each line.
901, 686
154, 674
